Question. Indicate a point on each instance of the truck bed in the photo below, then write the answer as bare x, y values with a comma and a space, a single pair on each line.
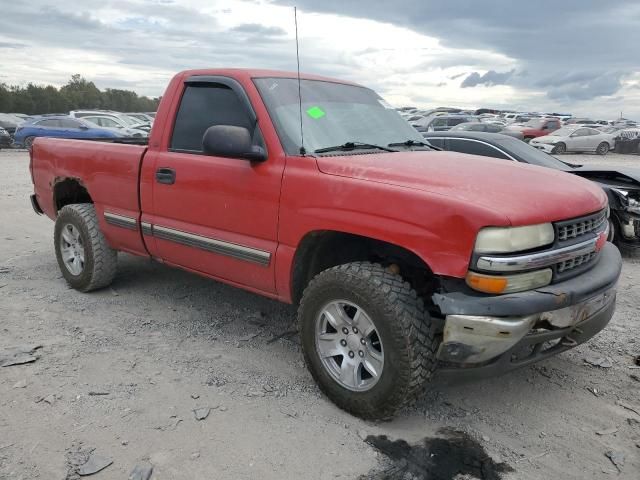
109, 170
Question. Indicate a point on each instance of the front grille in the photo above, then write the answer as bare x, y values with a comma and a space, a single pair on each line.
581, 226
575, 262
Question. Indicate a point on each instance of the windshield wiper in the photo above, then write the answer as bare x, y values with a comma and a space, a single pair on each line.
352, 146
414, 143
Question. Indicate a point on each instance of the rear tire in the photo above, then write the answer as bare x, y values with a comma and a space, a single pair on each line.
28, 142
603, 148
405, 341
85, 259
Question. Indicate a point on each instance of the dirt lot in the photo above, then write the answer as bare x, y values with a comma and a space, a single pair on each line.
120, 372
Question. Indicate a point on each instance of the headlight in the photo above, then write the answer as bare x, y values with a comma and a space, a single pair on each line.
630, 203
520, 282
514, 239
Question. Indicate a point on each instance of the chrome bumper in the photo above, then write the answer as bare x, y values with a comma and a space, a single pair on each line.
471, 339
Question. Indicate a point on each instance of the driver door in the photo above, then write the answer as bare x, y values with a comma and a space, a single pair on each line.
213, 214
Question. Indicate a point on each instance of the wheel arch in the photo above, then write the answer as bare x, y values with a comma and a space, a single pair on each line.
69, 190
322, 249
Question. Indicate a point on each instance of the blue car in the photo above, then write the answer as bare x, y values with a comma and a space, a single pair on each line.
59, 127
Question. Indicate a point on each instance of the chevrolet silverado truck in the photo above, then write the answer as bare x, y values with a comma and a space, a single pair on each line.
401, 259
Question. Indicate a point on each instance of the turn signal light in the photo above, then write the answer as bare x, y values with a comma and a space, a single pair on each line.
486, 283
509, 283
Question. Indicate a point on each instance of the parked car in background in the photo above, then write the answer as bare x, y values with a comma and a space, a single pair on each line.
10, 122
442, 123
622, 185
142, 117
114, 123
537, 127
59, 127
124, 119
5, 138
575, 139
487, 127
22, 116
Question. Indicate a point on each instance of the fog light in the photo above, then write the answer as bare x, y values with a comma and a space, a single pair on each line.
509, 283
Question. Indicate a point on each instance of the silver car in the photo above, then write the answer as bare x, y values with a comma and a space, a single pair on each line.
489, 128
575, 138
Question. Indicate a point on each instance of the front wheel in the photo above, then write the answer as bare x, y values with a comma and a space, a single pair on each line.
560, 148
28, 142
367, 339
86, 261
603, 148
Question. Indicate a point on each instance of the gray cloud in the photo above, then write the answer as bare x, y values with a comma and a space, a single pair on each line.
584, 86
12, 45
488, 79
551, 38
256, 29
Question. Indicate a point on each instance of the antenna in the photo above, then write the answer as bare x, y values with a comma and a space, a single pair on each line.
295, 19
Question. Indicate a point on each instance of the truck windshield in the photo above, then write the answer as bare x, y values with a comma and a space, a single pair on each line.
332, 114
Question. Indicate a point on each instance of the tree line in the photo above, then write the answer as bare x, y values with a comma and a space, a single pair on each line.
78, 93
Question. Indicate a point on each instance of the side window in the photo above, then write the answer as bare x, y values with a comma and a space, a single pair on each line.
48, 123
436, 142
202, 106
452, 122
581, 132
439, 122
68, 123
493, 128
475, 148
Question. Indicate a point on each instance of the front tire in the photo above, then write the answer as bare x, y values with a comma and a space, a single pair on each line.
28, 142
367, 339
603, 148
85, 259
560, 148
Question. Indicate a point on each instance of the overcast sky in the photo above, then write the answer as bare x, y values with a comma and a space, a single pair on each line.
577, 56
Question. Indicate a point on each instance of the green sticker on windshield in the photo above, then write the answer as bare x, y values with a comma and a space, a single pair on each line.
315, 113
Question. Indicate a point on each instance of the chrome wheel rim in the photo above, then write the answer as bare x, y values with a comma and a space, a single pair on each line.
349, 345
72, 249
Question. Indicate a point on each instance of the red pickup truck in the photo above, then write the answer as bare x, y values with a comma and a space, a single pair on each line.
401, 258
537, 127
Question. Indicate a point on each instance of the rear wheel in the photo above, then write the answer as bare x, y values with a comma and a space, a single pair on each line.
85, 259
28, 142
603, 148
367, 339
560, 148
528, 139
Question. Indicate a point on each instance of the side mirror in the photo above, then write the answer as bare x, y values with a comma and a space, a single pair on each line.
231, 141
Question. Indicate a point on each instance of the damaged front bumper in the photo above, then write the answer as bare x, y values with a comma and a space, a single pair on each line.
494, 334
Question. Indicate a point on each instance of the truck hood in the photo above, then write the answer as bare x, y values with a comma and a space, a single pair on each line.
525, 194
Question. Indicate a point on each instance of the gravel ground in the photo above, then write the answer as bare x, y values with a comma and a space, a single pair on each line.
121, 371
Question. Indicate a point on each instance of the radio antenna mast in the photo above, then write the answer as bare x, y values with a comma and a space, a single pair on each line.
295, 19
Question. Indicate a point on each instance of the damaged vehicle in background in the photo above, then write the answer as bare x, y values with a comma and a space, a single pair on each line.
5, 138
576, 139
621, 184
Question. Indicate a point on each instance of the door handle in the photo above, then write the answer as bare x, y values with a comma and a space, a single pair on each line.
166, 176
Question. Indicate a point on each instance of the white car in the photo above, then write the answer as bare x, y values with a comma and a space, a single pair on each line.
113, 123
575, 138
